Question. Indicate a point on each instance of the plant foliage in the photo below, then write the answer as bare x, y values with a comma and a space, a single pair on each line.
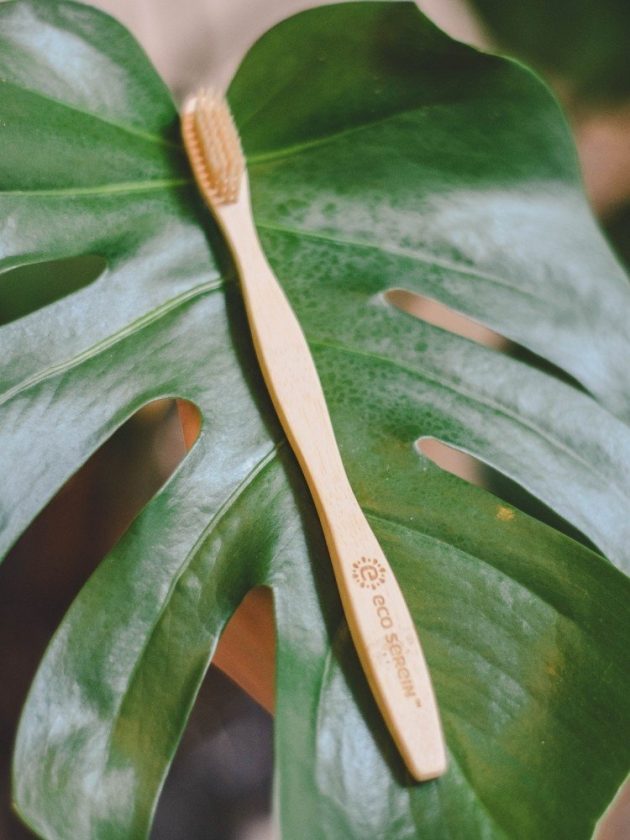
382, 155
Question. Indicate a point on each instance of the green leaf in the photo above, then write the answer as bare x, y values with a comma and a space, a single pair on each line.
381, 155
582, 43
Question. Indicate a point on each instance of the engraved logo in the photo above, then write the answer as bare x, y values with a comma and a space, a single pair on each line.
368, 573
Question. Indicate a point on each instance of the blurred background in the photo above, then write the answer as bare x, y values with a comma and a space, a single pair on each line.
219, 787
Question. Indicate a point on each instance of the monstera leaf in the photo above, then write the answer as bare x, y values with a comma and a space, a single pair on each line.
382, 155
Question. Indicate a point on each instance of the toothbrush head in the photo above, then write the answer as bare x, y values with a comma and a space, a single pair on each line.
213, 146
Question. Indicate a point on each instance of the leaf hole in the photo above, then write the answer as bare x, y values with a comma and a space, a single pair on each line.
479, 473
439, 315
53, 558
190, 419
222, 772
27, 288
436, 313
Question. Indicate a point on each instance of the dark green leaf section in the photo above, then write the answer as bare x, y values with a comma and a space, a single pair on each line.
583, 42
447, 189
400, 159
471, 170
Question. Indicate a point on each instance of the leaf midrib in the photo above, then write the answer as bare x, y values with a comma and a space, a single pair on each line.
293, 149
102, 189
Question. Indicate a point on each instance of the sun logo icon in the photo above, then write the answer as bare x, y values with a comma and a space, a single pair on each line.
368, 573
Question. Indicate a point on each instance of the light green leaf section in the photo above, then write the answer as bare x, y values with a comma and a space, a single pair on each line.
382, 155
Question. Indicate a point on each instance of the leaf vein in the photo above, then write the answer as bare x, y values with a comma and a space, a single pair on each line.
102, 189
238, 491
481, 400
136, 132
304, 146
416, 255
101, 346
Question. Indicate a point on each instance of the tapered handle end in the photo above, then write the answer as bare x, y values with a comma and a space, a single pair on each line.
387, 643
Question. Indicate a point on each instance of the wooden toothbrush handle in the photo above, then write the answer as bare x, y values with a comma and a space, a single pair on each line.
386, 640
381, 626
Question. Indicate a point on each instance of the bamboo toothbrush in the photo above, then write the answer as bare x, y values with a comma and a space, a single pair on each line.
381, 627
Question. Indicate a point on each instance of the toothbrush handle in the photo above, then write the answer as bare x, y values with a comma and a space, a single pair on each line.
380, 624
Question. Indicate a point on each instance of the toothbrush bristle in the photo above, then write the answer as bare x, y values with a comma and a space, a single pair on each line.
214, 146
